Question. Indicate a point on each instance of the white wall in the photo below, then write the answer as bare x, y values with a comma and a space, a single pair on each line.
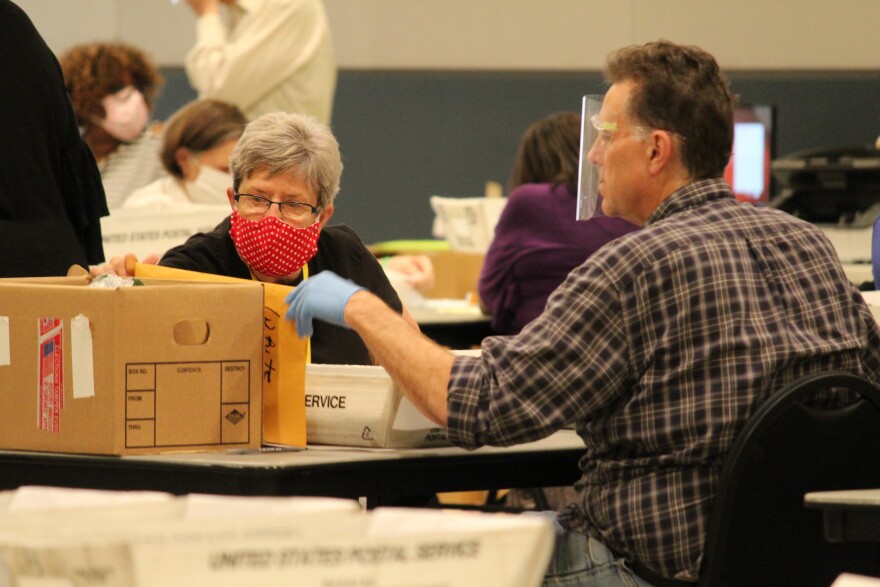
515, 34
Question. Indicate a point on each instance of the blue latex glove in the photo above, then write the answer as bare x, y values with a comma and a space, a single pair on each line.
322, 296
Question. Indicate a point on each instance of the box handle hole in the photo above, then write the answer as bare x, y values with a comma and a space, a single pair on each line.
191, 332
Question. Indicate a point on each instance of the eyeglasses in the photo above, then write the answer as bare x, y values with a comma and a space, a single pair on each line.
607, 130
249, 205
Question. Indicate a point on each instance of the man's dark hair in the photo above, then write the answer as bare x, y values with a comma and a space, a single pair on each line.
680, 89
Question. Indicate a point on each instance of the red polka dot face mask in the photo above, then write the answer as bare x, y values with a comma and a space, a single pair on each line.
271, 246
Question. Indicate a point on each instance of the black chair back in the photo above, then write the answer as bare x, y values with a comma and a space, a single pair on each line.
760, 533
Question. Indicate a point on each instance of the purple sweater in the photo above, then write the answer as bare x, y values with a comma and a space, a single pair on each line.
537, 242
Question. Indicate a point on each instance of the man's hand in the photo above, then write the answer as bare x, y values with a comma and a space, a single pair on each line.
322, 296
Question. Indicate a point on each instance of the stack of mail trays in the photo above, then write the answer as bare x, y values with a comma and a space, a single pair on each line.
359, 405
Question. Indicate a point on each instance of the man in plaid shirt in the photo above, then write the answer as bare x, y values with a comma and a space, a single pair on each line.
659, 347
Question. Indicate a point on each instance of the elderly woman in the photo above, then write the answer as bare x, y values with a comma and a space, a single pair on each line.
113, 87
285, 176
199, 139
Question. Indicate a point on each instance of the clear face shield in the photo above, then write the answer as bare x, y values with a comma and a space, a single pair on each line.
588, 174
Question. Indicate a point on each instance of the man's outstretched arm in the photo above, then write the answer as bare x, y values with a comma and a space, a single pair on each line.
417, 364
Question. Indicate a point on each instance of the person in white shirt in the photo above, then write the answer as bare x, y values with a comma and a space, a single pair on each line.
199, 139
265, 56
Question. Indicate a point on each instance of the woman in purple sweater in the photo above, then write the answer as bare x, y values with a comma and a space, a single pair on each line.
537, 239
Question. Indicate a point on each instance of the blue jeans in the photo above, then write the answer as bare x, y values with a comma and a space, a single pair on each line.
581, 561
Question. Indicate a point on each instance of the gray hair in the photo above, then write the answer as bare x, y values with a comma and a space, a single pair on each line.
278, 142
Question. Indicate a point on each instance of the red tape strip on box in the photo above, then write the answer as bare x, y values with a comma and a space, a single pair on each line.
50, 381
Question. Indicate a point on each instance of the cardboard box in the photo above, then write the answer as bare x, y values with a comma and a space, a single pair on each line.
359, 405
456, 275
284, 358
163, 367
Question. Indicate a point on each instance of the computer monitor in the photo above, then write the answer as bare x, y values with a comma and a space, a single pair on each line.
748, 171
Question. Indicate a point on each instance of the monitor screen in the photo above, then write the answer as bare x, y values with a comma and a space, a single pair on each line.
748, 171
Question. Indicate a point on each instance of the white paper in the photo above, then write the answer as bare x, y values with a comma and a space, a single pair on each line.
206, 506
418, 548
153, 229
4, 340
410, 418
848, 580
469, 223
28, 498
25, 581
82, 357
872, 298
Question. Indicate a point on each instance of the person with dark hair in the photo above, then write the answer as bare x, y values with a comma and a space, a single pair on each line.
51, 199
199, 139
658, 348
538, 239
113, 87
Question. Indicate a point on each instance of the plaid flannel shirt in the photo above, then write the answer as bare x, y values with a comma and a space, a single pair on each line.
658, 348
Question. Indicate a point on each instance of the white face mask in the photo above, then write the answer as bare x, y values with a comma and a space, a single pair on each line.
127, 114
209, 186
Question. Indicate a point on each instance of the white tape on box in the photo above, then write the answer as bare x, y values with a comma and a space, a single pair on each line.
4, 340
81, 357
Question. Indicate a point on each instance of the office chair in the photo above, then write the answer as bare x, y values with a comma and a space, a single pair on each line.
760, 533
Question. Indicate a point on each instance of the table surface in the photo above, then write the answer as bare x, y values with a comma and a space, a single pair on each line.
322, 471
454, 325
844, 498
851, 515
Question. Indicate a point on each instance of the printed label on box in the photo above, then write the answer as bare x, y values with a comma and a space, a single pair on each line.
160, 404
50, 376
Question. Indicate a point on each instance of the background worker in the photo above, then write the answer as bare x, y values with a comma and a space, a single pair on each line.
197, 143
266, 56
113, 87
538, 238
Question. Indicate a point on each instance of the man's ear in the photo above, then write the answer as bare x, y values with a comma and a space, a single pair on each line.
662, 148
